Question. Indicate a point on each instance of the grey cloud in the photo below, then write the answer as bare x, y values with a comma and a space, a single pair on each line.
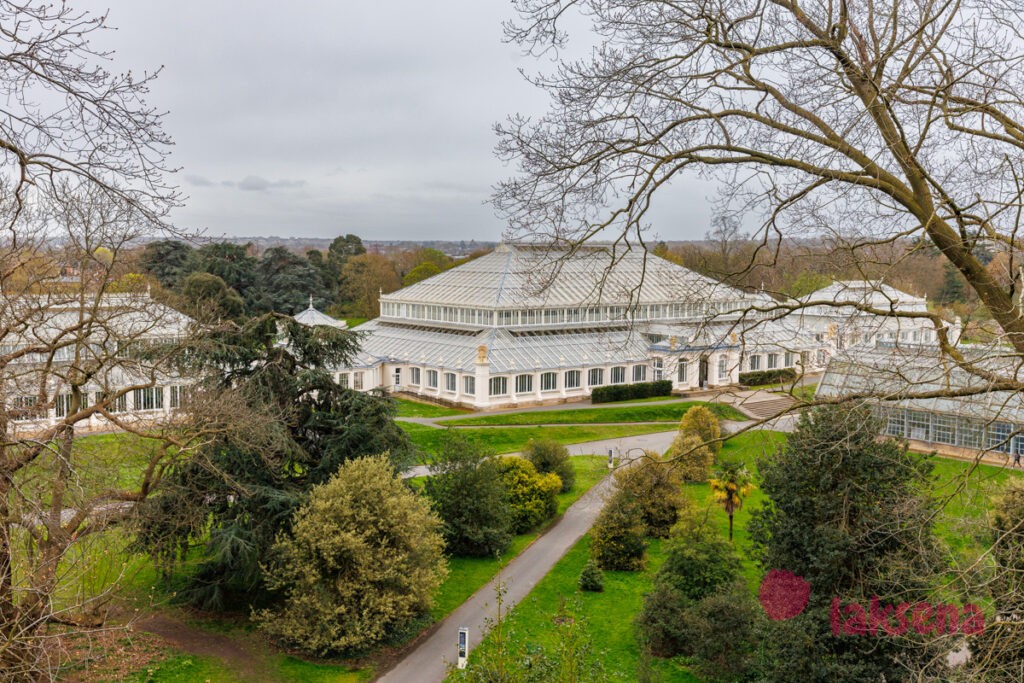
198, 181
358, 99
254, 183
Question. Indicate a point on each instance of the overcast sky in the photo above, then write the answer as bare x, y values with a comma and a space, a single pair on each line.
321, 118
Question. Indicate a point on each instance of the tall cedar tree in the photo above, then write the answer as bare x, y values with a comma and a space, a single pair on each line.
235, 499
849, 513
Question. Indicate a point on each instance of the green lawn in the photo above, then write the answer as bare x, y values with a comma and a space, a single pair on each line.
467, 574
407, 408
656, 413
649, 399
608, 616
284, 668
187, 669
355, 322
428, 438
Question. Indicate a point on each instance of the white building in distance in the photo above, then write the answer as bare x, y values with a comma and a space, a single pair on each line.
107, 346
862, 312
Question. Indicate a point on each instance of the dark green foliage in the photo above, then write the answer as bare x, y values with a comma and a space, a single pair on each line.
288, 427
169, 261
954, 286
629, 392
661, 624
210, 299
533, 496
591, 578
231, 263
285, 282
468, 494
849, 513
695, 569
698, 569
997, 654
551, 456
722, 632
759, 377
617, 537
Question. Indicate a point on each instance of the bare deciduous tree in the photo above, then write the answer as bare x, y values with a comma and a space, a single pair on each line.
83, 174
869, 122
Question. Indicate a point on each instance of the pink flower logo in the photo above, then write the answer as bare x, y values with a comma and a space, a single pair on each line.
783, 594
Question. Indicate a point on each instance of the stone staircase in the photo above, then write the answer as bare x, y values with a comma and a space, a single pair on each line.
761, 405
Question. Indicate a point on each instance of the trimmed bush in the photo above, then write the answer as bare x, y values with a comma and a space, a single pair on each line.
631, 392
774, 376
551, 456
533, 497
363, 559
692, 458
617, 537
701, 422
699, 569
661, 625
657, 488
592, 578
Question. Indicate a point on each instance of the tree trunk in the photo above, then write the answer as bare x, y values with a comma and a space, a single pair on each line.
730, 527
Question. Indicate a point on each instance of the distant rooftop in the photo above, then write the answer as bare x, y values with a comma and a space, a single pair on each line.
311, 317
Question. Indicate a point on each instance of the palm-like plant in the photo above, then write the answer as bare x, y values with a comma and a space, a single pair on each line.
730, 485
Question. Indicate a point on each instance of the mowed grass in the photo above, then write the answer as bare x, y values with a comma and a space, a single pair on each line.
284, 668
514, 439
186, 669
467, 574
408, 408
657, 413
607, 616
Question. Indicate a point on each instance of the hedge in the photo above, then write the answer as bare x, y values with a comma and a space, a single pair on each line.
759, 377
630, 392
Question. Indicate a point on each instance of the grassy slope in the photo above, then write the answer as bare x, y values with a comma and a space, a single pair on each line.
655, 413
407, 408
514, 439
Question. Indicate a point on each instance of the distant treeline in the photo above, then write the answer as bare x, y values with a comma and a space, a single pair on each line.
227, 280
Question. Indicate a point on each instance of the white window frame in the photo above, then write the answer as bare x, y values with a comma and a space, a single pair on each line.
524, 384
618, 375
501, 383
595, 377
432, 379
451, 382
549, 381
469, 385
